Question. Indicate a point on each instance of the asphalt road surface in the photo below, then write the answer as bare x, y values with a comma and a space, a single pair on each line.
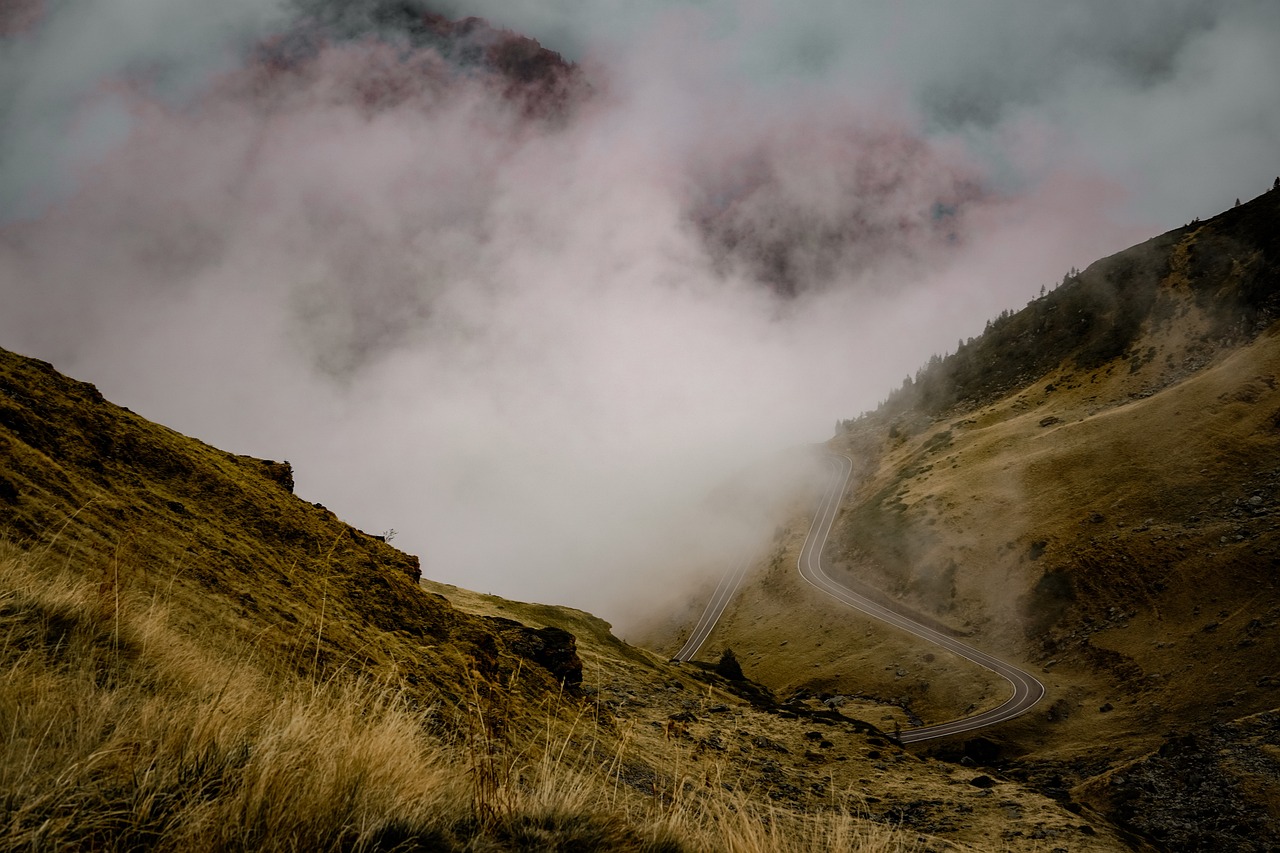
719, 600
1027, 691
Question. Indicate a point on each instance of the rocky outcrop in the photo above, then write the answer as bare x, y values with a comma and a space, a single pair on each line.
279, 472
443, 53
1213, 789
553, 649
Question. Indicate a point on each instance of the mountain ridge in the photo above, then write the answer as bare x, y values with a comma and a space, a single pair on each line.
165, 583
1097, 496
1106, 304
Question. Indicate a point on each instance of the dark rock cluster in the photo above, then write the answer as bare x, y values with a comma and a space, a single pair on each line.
553, 649
1213, 789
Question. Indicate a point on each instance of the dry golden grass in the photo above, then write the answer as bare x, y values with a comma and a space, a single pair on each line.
1116, 527
798, 640
119, 731
193, 658
682, 731
1131, 496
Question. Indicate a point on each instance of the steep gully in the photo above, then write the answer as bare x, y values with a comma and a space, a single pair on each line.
1027, 691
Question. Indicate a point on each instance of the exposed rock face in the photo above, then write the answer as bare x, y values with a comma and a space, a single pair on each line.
280, 472
1215, 789
442, 54
541, 80
20, 16
553, 649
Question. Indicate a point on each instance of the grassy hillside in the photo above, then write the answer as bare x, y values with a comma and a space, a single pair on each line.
137, 506
795, 754
194, 658
809, 648
1091, 486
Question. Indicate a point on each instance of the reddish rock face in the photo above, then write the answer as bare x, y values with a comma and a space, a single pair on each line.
442, 54
805, 205
542, 81
19, 16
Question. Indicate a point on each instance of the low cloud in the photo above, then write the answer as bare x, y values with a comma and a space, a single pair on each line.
535, 344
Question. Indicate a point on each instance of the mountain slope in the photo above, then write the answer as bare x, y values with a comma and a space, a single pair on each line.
136, 503
1091, 486
194, 657
1096, 494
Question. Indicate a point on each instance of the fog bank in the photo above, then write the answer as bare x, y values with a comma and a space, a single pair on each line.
537, 345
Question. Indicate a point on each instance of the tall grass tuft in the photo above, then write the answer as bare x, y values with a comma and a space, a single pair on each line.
119, 731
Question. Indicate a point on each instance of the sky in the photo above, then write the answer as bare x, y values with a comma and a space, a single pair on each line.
571, 360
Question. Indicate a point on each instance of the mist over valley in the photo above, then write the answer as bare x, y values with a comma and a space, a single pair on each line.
587, 307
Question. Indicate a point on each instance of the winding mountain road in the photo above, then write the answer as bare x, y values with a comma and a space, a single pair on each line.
1027, 690
715, 608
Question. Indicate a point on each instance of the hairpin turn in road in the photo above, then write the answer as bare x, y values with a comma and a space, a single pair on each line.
1027, 690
